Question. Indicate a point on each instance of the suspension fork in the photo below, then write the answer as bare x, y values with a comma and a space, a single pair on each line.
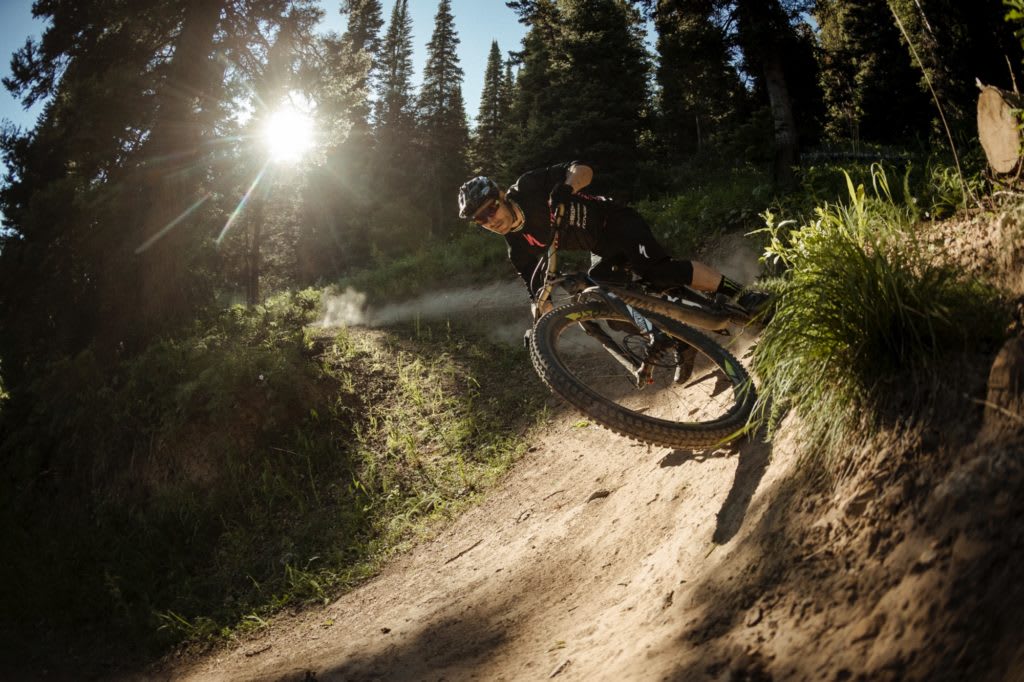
643, 372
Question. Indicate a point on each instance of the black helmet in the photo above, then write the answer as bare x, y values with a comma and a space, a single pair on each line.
474, 193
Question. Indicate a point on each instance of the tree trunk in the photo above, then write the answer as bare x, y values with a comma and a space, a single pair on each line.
760, 24
253, 259
783, 120
999, 128
174, 170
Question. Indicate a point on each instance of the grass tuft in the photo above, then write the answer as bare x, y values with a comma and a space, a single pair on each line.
864, 311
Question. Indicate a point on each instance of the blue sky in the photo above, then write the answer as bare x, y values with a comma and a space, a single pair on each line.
477, 23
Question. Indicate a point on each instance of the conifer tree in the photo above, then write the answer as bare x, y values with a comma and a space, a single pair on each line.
764, 32
394, 116
507, 93
956, 43
868, 83
601, 88
533, 111
112, 209
361, 48
442, 119
490, 121
700, 89
337, 203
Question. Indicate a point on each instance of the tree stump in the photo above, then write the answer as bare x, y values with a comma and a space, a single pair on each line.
999, 128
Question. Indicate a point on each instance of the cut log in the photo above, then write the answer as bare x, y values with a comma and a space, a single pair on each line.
999, 128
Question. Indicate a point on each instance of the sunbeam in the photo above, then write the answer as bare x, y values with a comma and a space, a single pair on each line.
167, 228
241, 204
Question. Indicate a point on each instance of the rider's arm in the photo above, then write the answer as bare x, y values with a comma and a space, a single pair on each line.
578, 176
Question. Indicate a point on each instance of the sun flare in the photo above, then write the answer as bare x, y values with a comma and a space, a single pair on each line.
288, 134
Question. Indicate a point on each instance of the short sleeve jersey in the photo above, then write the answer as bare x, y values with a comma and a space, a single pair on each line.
583, 229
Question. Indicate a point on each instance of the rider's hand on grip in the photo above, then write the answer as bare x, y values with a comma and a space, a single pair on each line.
560, 194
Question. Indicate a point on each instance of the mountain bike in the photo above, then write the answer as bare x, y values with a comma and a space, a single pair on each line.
641, 362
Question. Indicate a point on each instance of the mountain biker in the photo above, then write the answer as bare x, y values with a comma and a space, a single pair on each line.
616, 234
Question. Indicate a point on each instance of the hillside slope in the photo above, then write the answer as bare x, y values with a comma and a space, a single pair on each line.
598, 558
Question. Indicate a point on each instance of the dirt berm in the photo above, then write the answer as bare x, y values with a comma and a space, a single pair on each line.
597, 558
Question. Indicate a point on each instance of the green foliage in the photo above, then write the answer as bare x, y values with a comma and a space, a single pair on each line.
870, 87
253, 463
1015, 13
956, 43
706, 206
700, 88
491, 119
442, 123
474, 256
864, 310
582, 90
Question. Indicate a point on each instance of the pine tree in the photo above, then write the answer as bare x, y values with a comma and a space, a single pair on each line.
700, 90
868, 83
601, 88
361, 50
956, 43
394, 110
394, 114
112, 209
490, 122
765, 34
533, 111
337, 201
442, 119
507, 93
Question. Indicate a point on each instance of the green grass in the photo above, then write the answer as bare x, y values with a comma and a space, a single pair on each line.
706, 205
864, 312
252, 464
470, 258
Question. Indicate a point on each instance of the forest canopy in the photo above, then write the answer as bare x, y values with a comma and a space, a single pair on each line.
145, 194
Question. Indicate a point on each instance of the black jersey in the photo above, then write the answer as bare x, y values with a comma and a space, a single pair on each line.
592, 223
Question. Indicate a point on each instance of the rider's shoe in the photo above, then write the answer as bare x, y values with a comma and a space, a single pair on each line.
753, 301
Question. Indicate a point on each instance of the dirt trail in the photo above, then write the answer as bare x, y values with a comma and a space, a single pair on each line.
586, 563
598, 558
581, 564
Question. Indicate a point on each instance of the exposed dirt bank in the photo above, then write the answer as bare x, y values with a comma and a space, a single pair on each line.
598, 558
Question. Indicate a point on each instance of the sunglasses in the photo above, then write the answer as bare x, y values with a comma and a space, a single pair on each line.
484, 215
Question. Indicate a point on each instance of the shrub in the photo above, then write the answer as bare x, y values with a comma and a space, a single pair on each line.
706, 207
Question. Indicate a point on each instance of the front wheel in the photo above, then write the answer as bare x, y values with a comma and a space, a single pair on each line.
708, 407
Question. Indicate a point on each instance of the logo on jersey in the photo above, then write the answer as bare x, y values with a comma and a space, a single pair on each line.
578, 215
533, 241
643, 251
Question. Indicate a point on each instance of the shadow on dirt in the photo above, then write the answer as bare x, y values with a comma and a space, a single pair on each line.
754, 454
448, 649
909, 569
753, 462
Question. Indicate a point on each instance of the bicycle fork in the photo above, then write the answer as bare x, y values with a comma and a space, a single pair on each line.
643, 372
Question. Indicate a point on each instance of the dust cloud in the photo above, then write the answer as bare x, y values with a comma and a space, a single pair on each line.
734, 256
502, 308
343, 310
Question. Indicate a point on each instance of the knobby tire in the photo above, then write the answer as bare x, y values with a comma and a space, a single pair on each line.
551, 361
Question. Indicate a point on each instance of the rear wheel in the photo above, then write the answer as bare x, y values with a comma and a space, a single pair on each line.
709, 407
